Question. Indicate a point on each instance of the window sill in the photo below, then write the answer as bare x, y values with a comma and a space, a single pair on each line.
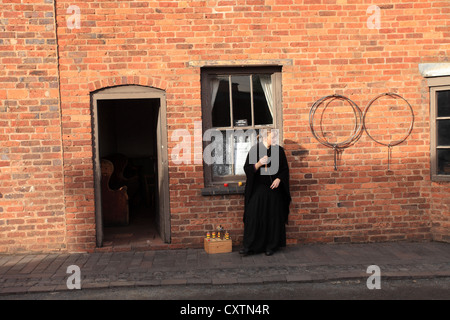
440, 178
220, 190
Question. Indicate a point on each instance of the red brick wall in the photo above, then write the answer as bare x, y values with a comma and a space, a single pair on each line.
152, 42
440, 211
32, 215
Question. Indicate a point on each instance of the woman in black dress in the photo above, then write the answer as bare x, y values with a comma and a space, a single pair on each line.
267, 198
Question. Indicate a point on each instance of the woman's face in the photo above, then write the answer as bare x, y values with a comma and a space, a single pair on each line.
269, 138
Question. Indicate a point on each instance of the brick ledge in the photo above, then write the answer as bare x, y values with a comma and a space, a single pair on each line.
219, 190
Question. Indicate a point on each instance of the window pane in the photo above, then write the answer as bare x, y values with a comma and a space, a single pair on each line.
443, 161
220, 151
242, 112
220, 100
230, 150
443, 137
263, 99
243, 141
443, 103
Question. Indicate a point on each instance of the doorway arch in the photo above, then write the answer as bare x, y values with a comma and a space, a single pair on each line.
148, 96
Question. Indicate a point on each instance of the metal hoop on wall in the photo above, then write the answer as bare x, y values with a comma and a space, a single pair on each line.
393, 143
357, 130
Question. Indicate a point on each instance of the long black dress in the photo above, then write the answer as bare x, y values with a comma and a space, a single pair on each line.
266, 210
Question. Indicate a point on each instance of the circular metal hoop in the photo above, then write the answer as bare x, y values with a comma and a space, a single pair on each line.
393, 143
357, 130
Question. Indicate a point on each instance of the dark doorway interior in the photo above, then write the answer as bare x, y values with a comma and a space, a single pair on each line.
128, 140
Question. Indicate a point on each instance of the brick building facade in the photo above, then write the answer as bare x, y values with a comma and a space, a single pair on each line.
55, 77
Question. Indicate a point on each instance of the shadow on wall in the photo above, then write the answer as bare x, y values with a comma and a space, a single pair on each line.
296, 155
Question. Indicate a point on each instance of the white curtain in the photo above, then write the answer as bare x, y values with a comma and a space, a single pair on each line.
266, 84
214, 88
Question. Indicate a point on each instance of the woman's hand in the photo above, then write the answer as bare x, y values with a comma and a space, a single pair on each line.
275, 183
263, 161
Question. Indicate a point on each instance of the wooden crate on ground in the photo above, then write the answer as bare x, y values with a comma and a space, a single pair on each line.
217, 245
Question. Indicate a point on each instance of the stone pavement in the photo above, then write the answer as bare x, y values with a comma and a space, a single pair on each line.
299, 263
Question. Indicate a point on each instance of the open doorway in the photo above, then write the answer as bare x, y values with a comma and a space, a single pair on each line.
130, 164
127, 139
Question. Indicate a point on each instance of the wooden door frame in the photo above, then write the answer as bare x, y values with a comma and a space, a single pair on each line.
134, 92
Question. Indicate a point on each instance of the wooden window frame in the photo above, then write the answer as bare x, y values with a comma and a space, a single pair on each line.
435, 85
206, 74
